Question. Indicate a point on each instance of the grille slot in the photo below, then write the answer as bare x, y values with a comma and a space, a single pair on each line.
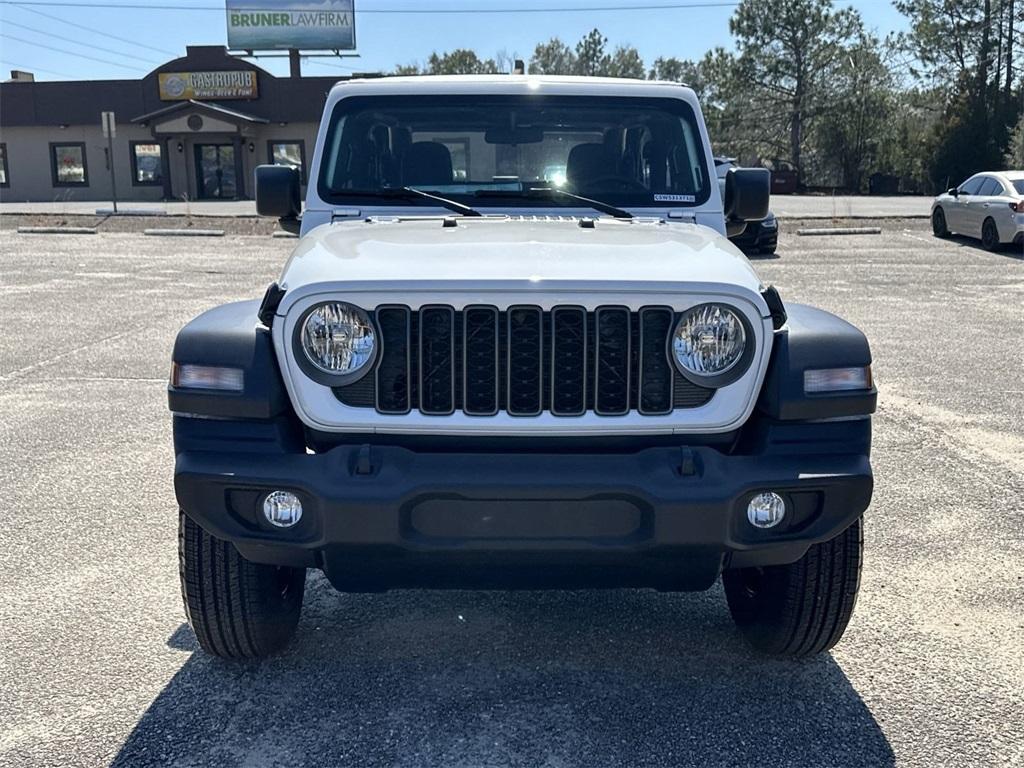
525, 361
568, 361
480, 362
395, 368
612, 362
656, 379
437, 360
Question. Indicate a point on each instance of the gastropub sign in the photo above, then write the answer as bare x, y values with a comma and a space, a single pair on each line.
227, 84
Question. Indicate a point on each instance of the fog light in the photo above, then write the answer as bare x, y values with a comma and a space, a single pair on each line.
766, 510
282, 509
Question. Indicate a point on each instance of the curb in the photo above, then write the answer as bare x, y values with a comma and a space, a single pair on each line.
57, 230
129, 212
184, 232
840, 231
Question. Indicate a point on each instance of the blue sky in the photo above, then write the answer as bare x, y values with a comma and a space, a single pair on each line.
384, 39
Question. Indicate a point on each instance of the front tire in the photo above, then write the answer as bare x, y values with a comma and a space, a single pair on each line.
990, 235
803, 608
939, 228
238, 609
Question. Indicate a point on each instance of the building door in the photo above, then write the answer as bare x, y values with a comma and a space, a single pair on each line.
215, 172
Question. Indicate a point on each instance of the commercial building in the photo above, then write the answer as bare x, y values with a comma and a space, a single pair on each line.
194, 128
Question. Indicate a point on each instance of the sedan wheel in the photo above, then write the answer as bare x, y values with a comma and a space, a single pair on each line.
939, 228
989, 235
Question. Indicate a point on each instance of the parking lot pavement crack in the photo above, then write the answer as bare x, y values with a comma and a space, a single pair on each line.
20, 372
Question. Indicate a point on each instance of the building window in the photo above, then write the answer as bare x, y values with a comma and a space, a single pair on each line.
291, 153
147, 164
5, 176
68, 165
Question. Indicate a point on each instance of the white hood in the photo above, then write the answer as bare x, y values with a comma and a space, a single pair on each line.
516, 254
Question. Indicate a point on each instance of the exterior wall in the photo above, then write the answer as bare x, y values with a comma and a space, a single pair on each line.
31, 174
34, 114
30, 168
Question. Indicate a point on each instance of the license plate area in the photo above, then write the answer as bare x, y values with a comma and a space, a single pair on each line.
600, 520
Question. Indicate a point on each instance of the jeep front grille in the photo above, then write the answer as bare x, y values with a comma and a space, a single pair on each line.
524, 361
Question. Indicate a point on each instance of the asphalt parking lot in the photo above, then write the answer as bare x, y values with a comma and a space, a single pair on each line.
97, 666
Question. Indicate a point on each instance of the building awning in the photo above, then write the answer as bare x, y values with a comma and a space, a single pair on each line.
216, 110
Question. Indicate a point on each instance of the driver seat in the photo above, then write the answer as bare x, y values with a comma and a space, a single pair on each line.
589, 162
427, 163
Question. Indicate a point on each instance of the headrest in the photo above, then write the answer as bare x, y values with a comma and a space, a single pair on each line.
426, 162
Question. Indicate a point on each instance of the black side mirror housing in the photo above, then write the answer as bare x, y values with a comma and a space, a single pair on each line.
953, 191
747, 192
278, 194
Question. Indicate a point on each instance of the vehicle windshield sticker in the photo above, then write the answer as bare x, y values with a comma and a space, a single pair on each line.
675, 199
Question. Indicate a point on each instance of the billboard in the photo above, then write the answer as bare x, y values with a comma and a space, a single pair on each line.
305, 24
226, 84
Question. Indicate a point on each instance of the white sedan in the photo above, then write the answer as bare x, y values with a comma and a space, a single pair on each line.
988, 205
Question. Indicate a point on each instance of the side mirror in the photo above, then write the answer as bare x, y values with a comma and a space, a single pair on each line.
278, 194
953, 191
747, 191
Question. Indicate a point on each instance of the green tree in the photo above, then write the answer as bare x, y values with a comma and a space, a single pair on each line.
788, 52
1015, 148
853, 126
461, 61
625, 62
591, 58
553, 58
965, 50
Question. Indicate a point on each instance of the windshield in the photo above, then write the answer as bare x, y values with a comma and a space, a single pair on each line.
495, 150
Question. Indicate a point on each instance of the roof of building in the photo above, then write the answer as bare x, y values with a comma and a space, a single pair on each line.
79, 102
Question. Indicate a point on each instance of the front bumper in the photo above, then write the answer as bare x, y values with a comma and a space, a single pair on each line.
388, 517
757, 237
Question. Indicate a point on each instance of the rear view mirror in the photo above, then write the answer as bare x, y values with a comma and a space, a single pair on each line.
278, 194
747, 191
519, 135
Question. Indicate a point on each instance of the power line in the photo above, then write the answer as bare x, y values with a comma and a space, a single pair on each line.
23, 67
363, 11
98, 31
76, 42
70, 53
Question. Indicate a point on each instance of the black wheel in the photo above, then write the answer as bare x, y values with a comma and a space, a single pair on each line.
238, 609
939, 228
803, 608
990, 235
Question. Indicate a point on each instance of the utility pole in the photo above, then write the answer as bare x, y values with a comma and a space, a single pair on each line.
109, 131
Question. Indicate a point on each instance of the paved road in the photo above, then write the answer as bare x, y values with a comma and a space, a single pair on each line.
97, 667
787, 206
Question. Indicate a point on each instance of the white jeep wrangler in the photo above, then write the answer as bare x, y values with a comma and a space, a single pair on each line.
513, 348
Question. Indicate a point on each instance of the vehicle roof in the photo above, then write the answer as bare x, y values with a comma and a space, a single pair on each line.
512, 84
1011, 175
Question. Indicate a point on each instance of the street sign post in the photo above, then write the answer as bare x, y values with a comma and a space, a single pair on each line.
109, 126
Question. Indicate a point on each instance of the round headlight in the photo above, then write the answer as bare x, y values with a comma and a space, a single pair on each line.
338, 338
709, 340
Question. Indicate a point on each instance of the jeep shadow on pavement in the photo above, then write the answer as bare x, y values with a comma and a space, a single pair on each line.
439, 678
514, 348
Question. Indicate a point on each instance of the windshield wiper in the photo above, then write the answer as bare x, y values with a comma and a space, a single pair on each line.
407, 192
549, 192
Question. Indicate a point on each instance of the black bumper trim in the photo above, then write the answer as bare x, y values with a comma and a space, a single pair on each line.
522, 520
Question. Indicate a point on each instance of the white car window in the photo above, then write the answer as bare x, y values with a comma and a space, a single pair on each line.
991, 187
971, 186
